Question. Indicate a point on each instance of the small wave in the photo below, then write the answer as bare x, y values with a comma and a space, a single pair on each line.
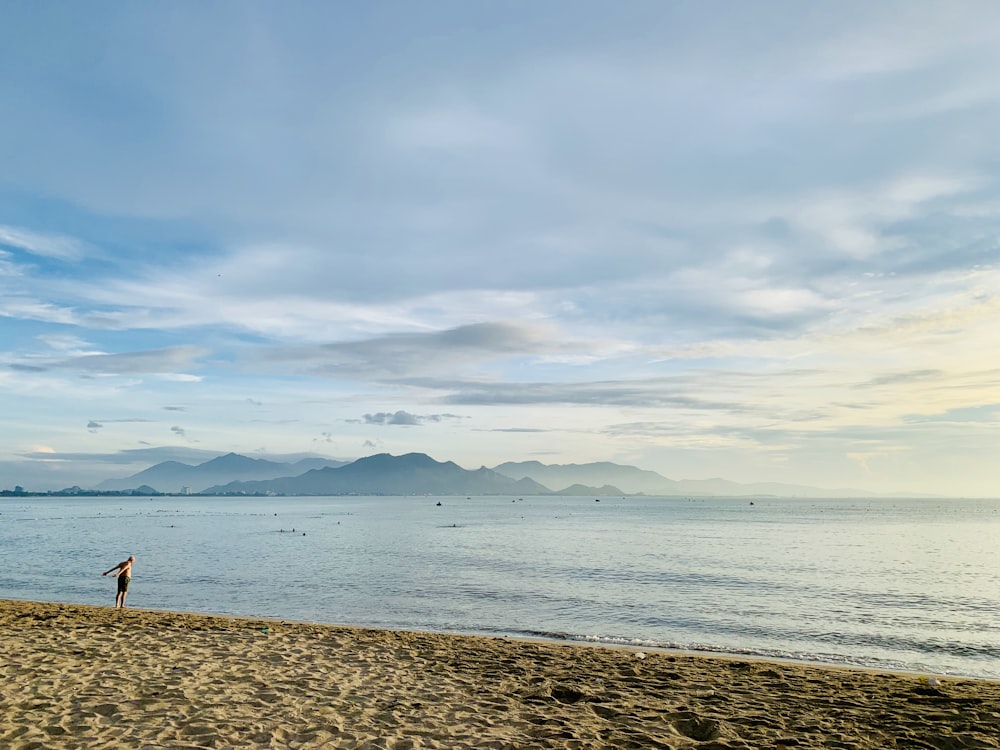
809, 657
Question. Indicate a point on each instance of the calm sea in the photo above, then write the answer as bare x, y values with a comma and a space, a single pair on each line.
892, 584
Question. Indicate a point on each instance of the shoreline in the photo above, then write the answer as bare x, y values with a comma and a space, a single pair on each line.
85, 675
564, 639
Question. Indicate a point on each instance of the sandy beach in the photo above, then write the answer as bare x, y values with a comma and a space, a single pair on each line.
94, 677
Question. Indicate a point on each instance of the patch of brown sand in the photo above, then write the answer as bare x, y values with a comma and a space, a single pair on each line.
93, 677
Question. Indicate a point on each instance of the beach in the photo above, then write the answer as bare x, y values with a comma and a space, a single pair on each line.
77, 676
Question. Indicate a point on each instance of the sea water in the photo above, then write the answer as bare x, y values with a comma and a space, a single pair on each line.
890, 584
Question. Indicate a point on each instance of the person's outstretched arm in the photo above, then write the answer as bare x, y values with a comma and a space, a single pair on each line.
116, 567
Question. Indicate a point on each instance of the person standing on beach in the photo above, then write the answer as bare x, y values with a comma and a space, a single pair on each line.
124, 576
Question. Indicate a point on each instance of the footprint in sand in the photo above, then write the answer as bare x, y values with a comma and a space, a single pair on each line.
700, 728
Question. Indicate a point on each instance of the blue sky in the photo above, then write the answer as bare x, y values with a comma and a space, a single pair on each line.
750, 240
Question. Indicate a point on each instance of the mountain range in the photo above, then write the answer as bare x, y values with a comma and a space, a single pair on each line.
633, 481
419, 474
383, 474
174, 476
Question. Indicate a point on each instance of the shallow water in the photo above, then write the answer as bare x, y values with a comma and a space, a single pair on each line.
894, 584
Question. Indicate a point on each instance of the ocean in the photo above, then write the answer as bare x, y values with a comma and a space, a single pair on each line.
888, 584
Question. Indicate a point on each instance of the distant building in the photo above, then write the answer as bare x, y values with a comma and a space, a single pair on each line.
185, 490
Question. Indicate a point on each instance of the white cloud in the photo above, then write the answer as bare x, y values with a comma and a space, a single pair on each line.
895, 38
33, 309
164, 362
45, 244
68, 344
450, 130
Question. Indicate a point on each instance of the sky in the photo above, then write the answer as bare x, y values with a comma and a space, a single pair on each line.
756, 241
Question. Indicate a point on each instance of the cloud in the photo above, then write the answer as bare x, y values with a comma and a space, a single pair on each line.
897, 378
985, 414
649, 393
126, 457
159, 361
517, 429
44, 244
406, 353
93, 426
450, 130
396, 418
178, 431
405, 418
67, 344
19, 307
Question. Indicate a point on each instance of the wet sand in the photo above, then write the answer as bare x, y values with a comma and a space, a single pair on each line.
94, 677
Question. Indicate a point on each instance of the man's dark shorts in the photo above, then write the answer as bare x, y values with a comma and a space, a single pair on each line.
123, 582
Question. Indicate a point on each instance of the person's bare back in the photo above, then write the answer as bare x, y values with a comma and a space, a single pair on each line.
124, 576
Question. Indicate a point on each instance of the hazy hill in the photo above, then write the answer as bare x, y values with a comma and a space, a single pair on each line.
723, 488
173, 476
632, 480
384, 474
627, 479
577, 490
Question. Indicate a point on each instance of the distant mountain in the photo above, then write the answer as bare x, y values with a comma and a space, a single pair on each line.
628, 479
577, 490
633, 481
418, 474
173, 476
384, 474
725, 488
